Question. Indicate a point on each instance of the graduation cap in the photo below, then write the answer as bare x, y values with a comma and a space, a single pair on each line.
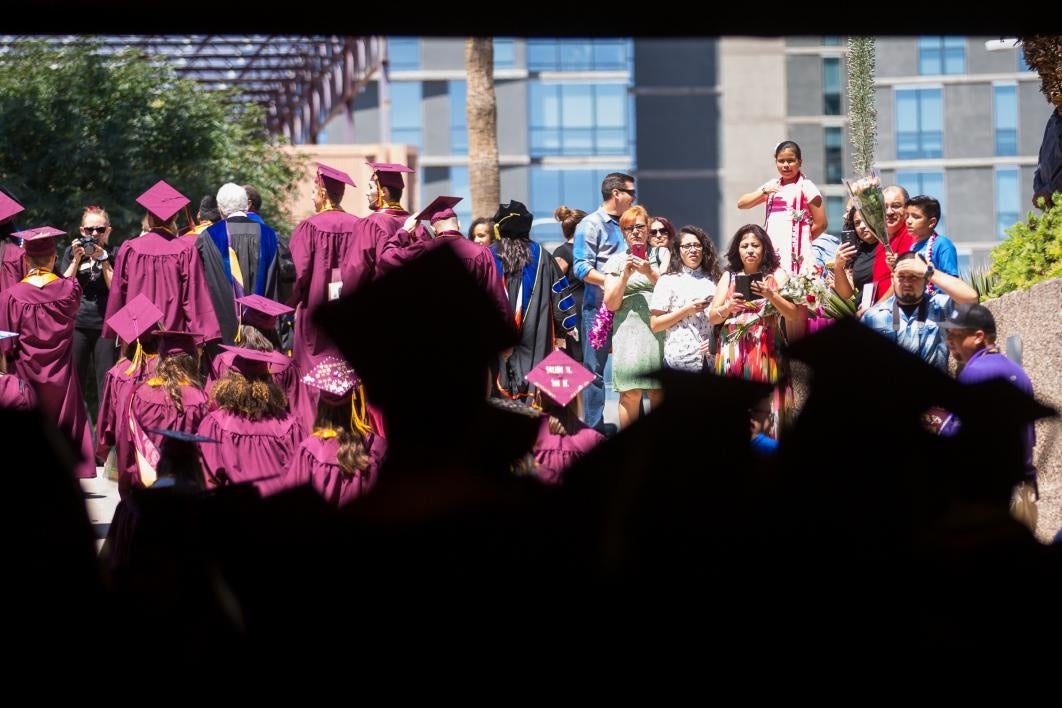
334, 377
560, 377
441, 208
39, 241
255, 362
172, 342
389, 174
261, 312
9, 207
163, 201
332, 173
512, 219
137, 317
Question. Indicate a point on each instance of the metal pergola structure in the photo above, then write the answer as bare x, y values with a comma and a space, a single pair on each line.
302, 82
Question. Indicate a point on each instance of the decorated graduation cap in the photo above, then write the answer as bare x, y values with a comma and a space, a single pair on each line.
560, 377
440, 208
172, 342
512, 220
389, 174
9, 207
337, 381
39, 241
163, 201
333, 174
261, 312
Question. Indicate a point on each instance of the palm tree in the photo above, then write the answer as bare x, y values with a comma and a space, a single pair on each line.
482, 113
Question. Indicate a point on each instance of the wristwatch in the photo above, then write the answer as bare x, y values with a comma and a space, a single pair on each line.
930, 270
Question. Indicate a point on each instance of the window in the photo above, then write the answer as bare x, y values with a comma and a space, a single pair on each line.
930, 183
941, 55
458, 118
578, 54
459, 187
405, 112
919, 123
578, 189
835, 214
834, 155
1022, 64
504, 53
1005, 104
578, 119
831, 41
831, 86
403, 53
1008, 211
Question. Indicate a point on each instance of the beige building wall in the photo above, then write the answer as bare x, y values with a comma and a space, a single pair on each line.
351, 159
753, 80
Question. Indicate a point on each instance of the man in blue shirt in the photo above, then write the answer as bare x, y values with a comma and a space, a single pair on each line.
971, 332
911, 317
597, 237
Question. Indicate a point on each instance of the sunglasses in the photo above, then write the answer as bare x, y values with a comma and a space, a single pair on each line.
659, 232
94, 229
631, 192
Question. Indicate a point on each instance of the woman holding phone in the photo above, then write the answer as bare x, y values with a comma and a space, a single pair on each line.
750, 344
637, 351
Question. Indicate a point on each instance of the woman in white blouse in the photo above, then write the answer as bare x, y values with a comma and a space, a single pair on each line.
681, 299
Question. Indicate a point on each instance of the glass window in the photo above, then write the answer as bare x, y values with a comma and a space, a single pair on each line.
942, 55
504, 53
459, 187
1022, 64
405, 112
835, 214
578, 54
831, 41
1008, 211
578, 119
577, 189
458, 118
834, 155
403, 53
831, 86
919, 123
930, 183
1005, 105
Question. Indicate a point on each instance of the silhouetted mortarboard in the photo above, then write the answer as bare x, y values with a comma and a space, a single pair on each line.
162, 200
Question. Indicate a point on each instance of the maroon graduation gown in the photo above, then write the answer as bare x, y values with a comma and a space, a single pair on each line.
16, 393
316, 464
259, 451
117, 385
556, 453
169, 272
44, 317
326, 241
302, 399
12, 265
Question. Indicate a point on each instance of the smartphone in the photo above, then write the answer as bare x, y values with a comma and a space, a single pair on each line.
743, 284
640, 250
851, 237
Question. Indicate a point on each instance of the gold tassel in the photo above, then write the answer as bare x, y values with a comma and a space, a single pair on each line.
138, 358
358, 420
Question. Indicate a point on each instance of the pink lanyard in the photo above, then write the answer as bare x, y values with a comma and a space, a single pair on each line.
929, 259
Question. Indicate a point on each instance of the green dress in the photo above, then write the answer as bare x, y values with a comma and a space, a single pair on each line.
636, 350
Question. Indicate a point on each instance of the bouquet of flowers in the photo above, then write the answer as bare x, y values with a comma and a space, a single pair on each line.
870, 201
802, 289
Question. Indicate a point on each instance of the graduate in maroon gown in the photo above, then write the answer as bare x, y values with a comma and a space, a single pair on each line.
342, 455
258, 435
140, 356
443, 220
42, 308
562, 437
385, 200
12, 259
334, 254
165, 268
170, 399
14, 392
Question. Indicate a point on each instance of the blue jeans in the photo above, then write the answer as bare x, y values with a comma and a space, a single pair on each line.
595, 360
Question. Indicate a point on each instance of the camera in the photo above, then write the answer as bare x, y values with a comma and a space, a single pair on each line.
88, 243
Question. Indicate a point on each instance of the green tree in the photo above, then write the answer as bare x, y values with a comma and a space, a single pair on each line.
81, 127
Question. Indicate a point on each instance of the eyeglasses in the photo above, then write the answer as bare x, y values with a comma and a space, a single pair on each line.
631, 192
659, 232
94, 229
692, 247
632, 229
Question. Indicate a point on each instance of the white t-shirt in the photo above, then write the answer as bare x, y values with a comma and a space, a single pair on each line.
682, 341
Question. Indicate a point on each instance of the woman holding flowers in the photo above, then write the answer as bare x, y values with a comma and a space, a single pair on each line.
753, 334
795, 215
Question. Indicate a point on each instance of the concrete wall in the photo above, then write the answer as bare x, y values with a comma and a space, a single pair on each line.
1036, 316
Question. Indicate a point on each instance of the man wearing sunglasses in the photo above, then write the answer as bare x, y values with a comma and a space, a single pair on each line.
597, 238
